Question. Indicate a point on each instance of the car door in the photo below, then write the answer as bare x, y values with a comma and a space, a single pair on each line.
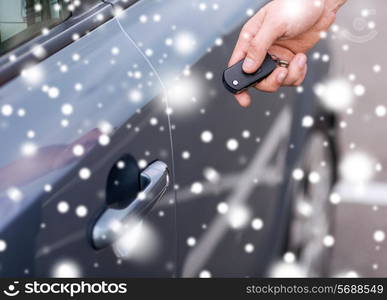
86, 162
230, 161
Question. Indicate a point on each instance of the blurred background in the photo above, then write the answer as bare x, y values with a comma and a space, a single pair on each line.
358, 43
222, 157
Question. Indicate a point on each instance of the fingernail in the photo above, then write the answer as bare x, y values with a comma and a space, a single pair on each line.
301, 61
281, 76
248, 64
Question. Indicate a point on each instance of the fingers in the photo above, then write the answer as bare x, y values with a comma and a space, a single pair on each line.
302, 78
292, 76
243, 98
246, 35
272, 83
259, 46
297, 70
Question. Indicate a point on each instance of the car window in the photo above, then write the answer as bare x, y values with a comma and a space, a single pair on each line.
21, 20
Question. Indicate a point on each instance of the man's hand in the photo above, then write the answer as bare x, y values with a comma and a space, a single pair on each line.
286, 29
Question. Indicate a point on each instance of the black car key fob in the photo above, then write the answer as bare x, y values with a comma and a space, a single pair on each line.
236, 80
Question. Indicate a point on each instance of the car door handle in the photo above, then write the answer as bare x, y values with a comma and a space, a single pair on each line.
112, 223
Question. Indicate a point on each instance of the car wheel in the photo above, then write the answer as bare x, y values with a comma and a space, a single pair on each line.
310, 232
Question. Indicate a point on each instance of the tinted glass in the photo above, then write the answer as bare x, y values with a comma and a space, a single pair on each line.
21, 20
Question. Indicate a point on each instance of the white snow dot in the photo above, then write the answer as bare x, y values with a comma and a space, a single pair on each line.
202, 6
63, 207
67, 109
104, 140
6, 110
3, 245
335, 198
30, 134
14, 194
377, 68
76, 57
137, 74
335, 94
21, 112
298, 174
135, 95
328, 241
289, 257
120, 164
211, 174
81, 211
314, 177
142, 163
205, 274
38, 7
153, 121
156, 18
105, 127
184, 43
249, 12
257, 224
64, 68
222, 208
379, 236
245, 134
141, 195
357, 167
84, 173
148, 52
206, 136
47, 188
78, 87
39, 52
191, 241
64, 122
78, 150
185, 155
325, 58
238, 216
143, 19
168, 42
66, 269
359, 90
219, 42
249, 248
29, 149
196, 188
232, 144
371, 24
115, 50
307, 121
209, 75
53, 92
380, 111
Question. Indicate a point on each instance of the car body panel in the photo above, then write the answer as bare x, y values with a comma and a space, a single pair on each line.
74, 97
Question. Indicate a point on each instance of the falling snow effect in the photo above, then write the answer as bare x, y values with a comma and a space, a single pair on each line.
215, 154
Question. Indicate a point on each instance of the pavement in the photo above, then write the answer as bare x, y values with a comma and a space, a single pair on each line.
359, 45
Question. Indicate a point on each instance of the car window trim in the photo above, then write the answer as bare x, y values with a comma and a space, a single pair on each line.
60, 36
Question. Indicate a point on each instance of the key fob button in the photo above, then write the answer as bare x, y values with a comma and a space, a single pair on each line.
236, 80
